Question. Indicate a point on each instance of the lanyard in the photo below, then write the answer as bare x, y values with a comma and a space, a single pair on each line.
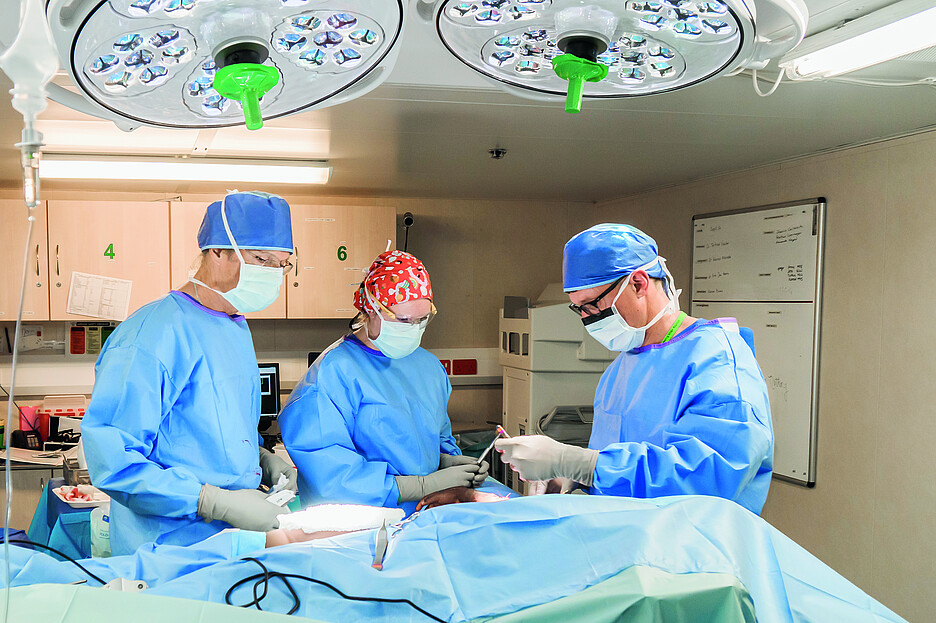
675, 327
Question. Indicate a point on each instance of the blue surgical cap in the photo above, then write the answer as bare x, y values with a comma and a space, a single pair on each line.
604, 253
257, 221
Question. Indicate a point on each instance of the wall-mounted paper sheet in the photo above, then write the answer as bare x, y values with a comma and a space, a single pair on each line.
99, 297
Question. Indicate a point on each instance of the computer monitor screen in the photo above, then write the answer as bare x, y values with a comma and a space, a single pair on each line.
269, 389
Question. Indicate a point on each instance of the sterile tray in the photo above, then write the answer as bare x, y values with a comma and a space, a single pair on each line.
98, 497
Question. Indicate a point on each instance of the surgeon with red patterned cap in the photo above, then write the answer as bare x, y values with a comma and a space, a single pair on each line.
369, 423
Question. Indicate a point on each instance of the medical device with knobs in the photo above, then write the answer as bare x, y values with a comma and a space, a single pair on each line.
154, 62
655, 46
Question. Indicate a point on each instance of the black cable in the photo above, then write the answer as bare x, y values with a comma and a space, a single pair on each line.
405, 239
55, 551
6, 331
265, 577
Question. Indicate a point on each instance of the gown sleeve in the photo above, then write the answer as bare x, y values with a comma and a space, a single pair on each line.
132, 392
711, 450
447, 443
317, 431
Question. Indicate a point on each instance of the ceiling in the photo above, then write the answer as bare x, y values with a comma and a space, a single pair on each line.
427, 131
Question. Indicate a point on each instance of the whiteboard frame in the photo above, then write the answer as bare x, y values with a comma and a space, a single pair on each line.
819, 216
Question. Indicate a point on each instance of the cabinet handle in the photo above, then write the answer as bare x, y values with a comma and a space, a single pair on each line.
57, 272
37, 260
296, 249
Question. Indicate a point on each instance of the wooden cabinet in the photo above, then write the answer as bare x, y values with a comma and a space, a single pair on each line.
126, 240
13, 227
334, 245
185, 218
153, 245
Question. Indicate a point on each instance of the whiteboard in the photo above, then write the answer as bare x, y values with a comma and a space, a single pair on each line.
763, 255
763, 266
783, 345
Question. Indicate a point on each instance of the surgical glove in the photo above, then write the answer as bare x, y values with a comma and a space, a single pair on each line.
538, 457
247, 509
414, 488
450, 460
272, 466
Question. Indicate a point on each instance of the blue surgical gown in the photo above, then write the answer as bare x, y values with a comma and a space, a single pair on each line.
176, 404
359, 418
689, 416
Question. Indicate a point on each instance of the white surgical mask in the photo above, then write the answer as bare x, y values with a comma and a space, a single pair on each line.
257, 286
396, 339
613, 332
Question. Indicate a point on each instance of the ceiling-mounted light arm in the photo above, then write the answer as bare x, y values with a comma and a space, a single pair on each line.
781, 26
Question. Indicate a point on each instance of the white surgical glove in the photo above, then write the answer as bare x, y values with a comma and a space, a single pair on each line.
272, 466
414, 488
247, 509
450, 460
538, 457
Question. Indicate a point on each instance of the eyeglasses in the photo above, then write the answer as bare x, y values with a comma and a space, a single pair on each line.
267, 262
422, 320
590, 308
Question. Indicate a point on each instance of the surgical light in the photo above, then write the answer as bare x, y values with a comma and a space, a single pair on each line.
76, 167
208, 63
886, 34
647, 46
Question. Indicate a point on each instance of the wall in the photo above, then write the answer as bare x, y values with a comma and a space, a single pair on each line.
871, 513
476, 253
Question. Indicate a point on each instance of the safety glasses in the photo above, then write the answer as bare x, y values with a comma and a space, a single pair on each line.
422, 320
255, 257
590, 308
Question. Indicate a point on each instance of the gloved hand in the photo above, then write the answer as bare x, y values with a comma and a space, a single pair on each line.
450, 460
272, 466
414, 488
538, 457
247, 509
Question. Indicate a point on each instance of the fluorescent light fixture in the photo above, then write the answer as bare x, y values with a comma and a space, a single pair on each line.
894, 31
82, 167
89, 136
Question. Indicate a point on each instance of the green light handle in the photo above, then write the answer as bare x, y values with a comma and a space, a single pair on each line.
251, 105
574, 96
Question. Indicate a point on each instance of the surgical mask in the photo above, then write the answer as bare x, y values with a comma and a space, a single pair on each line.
257, 286
396, 339
613, 332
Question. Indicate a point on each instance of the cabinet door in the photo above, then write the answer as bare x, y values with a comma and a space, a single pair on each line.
335, 244
125, 240
185, 218
13, 215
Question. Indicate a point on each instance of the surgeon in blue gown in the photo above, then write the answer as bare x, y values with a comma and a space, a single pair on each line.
369, 424
682, 410
171, 430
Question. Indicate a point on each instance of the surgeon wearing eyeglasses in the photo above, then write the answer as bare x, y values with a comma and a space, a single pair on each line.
683, 409
171, 430
369, 424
